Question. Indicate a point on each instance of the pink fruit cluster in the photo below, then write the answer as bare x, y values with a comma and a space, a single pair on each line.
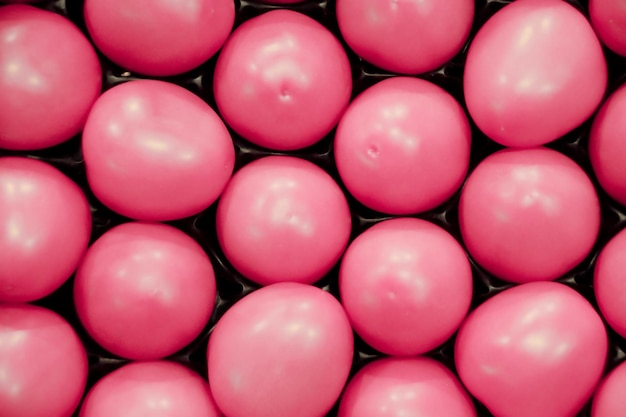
372, 226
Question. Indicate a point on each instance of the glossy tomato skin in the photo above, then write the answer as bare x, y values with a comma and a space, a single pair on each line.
156, 389
281, 351
42, 105
534, 72
406, 37
529, 214
144, 290
45, 226
392, 281
283, 218
607, 148
608, 18
282, 80
403, 146
609, 282
416, 386
159, 38
609, 399
43, 363
519, 353
156, 152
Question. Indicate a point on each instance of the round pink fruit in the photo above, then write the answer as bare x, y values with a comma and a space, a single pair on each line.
393, 279
529, 215
144, 291
538, 349
285, 350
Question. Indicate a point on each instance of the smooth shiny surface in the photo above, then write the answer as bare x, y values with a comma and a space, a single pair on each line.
155, 151
608, 18
150, 389
411, 387
44, 100
609, 282
282, 80
529, 215
43, 366
162, 37
282, 218
610, 397
534, 72
284, 350
45, 224
538, 349
607, 147
144, 291
393, 280
408, 36
403, 146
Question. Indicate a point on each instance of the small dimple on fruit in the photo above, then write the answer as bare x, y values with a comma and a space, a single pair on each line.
285, 94
373, 151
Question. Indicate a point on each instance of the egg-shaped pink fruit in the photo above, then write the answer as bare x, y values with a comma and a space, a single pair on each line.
393, 279
403, 146
534, 72
284, 350
406, 37
529, 214
144, 290
155, 389
405, 387
610, 282
607, 147
43, 365
162, 37
282, 218
45, 225
49, 80
610, 397
155, 151
282, 80
538, 349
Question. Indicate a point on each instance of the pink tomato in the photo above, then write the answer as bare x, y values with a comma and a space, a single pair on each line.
282, 218
393, 280
405, 36
45, 225
282, 351
43, 365
144, 291
282, 80
403, 146
610, 397
150, 389
610, 282
50, 78
534, 72
154, 151
538, 349
529, 214
607, 147
162, 37
608, 18
397, 387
